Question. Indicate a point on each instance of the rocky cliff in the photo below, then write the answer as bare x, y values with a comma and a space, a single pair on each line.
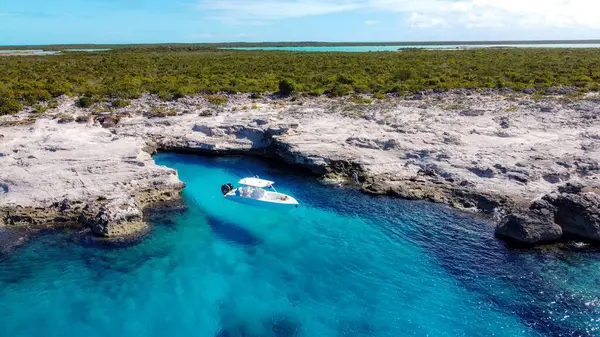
62, 174
499, 153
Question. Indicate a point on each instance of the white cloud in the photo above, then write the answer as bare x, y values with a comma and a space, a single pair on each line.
420, 13
371, 22
417, 20
500, 13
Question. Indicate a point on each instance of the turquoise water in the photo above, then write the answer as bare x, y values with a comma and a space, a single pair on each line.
90, 50
355, 49
343, 264
47, 52
29, 51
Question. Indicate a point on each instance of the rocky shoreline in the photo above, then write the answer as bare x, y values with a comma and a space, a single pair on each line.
532, 163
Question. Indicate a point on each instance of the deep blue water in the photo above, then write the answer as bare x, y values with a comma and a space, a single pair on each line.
359, 49
343, 264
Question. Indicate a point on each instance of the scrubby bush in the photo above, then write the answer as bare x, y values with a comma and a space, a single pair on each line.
217, 99
84, 102
172, 72
39, 109
339, 90
287, 87
9, 106
360, 100
160, 112
207, 113
65, 118
120, 103
53, 104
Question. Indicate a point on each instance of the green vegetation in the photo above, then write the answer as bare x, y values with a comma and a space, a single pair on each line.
175, 71
360, 100
217, 99
39, 109
120, 103
208, 113
84, 102
287, 87
65, 118
160, 112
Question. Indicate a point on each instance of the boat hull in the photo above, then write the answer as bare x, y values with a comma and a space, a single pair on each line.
288, 204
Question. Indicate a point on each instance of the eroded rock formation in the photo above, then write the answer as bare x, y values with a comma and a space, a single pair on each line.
496, 153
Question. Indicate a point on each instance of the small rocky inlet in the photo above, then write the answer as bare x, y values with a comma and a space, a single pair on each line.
533, 164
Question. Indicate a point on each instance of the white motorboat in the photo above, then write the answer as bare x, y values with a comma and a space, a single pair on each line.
257, 192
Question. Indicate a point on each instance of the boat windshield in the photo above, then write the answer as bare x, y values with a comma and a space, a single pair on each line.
251, 192
256, 182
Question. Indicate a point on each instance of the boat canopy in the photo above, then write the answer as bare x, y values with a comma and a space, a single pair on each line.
256, 182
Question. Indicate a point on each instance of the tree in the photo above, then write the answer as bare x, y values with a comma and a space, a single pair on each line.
286, 87
84, 102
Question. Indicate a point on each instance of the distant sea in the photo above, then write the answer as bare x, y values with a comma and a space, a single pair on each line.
47, 52
362, 49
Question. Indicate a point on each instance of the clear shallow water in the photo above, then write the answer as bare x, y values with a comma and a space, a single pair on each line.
47, 52
343, 264
29, 51
90, 50
356, 49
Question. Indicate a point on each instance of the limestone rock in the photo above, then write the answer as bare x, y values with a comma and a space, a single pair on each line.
483, 171
118, 218
410, 149
573, 209
577, 211
60, 174
531, 226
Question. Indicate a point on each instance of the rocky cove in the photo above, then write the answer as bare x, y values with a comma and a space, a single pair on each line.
531, 163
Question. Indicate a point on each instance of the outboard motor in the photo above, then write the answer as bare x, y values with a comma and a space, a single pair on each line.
226, 188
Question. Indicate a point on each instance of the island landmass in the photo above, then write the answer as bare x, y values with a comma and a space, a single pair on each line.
510, 133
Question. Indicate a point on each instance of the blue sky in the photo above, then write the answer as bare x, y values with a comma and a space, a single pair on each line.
152, 21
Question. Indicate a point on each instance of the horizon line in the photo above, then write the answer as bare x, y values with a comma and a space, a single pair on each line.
545, 41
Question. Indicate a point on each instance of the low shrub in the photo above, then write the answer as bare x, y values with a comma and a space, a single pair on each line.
287, 87
39, 109
160, 112
83, 118
379, 95
120, 103
207, 113
84, 102
9, 107
65, 118
217, 99
339, 90
360, 100
173, 72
